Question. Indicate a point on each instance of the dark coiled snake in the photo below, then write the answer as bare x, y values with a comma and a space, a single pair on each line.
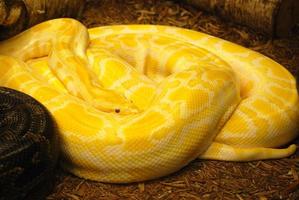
28, 150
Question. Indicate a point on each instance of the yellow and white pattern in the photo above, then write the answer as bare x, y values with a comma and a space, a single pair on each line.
136, 102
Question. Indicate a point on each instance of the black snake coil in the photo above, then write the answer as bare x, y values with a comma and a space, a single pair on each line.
28, 145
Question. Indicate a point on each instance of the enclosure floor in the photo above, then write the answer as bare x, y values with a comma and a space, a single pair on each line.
276, 179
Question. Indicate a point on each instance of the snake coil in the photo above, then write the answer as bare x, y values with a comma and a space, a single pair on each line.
27, 144
137, 102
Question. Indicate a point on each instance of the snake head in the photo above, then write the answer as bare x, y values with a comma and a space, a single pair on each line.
120, 106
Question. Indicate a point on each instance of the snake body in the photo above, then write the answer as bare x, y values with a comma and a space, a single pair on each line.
136, 102
28, 150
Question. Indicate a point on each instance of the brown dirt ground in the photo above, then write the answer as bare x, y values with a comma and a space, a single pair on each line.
276, 179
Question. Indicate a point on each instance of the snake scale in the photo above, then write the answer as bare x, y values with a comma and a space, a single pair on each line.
136, 102
27, 144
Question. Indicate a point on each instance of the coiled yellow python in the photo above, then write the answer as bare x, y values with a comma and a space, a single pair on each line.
136, 102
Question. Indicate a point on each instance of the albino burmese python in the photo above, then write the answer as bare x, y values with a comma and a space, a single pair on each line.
135, 102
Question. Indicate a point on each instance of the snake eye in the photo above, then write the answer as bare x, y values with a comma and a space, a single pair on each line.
117, 110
